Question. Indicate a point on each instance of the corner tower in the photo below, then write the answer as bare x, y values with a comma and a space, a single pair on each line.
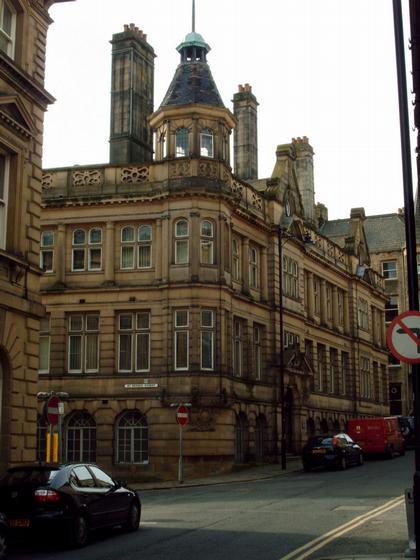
192, 120
131, 138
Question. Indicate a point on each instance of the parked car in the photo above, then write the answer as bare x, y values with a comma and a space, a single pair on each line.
337, 450
380, 435
72, 499
407, 430
3, 536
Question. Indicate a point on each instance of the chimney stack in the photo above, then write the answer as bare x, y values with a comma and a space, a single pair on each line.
131, 138
245, 134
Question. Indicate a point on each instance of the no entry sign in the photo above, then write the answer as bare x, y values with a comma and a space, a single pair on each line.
182, 415
403, 337
53, 410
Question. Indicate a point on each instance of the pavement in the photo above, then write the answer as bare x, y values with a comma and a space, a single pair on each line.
248, 474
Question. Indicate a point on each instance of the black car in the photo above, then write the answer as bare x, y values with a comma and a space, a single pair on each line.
3, 536
72, 499
406, 424
337, 450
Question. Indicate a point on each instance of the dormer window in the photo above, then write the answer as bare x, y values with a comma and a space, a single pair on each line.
206, 143
181, 142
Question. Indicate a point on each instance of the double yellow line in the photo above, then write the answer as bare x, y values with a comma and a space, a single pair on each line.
321, 541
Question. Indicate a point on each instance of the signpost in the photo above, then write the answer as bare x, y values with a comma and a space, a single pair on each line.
182, 417
53, 412
403, 337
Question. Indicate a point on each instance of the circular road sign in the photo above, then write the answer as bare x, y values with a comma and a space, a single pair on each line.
182, 415
403, 337
53, 410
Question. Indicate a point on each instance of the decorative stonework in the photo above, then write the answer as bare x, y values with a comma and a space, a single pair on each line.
87, 177
180, 169
130, 175
207, 169
202, 420
237, 188
256, 200
47, 180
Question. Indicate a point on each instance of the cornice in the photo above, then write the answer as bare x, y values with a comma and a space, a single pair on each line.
23, 81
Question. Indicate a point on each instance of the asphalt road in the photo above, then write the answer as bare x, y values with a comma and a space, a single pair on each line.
284, 517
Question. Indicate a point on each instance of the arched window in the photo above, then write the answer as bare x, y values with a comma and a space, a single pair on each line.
207, 242
132, 434
145, 247
181, 242
80, 438
206, 143
127, 255
181, 142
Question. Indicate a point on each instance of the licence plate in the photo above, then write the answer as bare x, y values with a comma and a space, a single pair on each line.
13, 523
321, 451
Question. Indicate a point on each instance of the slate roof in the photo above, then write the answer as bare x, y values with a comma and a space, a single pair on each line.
192, 83
385, 232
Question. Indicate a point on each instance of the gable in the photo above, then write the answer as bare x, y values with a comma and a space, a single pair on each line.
15, 116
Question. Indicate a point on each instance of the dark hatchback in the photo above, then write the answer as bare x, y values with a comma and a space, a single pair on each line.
338, 451
69, 499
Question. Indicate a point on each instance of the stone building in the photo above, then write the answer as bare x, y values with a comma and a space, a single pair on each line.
23, 101
162, 286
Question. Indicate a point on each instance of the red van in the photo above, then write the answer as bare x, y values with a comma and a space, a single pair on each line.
377, 435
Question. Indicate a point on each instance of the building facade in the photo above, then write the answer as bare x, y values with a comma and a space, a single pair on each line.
162, 286
23, 101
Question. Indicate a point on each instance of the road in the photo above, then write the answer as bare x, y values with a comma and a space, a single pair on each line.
284, 517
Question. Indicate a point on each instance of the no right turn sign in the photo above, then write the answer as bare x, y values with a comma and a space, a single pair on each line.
403, 337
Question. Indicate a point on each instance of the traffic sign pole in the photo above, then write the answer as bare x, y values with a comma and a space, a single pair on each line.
180, 461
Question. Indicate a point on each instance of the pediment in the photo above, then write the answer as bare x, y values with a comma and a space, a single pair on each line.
296, 360
15, 116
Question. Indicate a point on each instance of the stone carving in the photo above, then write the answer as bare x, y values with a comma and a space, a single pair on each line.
131, 175
256, 201
237, 189
86, 177
180, 169
207, 169
202, 420
330, 250
47, 179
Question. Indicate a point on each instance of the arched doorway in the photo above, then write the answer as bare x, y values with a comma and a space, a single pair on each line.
260, 438
241, 438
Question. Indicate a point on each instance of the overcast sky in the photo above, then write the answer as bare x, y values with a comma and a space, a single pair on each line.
324, 69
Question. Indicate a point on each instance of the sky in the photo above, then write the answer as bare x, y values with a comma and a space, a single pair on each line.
324, 69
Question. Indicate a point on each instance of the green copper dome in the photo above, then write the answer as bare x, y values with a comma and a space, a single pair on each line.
193, 39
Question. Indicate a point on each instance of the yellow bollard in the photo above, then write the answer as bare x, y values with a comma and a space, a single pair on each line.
55, 447
48, 448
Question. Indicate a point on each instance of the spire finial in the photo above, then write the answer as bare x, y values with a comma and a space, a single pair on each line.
193, 16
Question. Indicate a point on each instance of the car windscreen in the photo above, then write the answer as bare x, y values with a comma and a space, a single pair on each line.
36, 477
320, 442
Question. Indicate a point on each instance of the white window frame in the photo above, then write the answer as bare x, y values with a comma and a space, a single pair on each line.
133, 332
78, 247
145, 243
207, 239
9, 38
83, 333
47, 248
94, 246
206, 134
128, 244
392, 272
207, 328
181, 328
182, 141
4, 200
180, 240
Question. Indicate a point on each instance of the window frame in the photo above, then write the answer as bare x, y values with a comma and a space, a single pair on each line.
207, 329
206, 134
181, 239
181, 330
133, 333
9, 38
182, 142
83, 334
4, 198
47, 248
392, 272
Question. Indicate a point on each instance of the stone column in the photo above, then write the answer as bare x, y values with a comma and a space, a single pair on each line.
60, 254
335, 320
109, 253
157, 253
323, 302
245, 265
310, 295
165, 247
195, 246
264, 274
346, 312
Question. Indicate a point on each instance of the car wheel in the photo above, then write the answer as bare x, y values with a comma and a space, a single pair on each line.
360, 460
133, 519
80, 531
343, 463
2, 545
